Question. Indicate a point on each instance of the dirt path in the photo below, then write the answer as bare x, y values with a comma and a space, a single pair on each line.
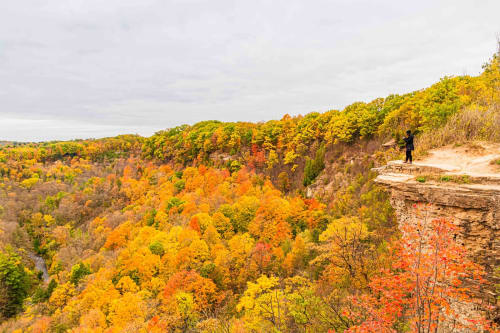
474, 159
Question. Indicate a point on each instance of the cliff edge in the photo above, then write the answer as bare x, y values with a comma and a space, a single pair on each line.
462, 184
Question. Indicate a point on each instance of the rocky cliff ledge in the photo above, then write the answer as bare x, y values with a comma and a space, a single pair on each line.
466, 190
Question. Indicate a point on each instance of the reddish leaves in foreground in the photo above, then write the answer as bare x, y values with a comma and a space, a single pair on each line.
430, 285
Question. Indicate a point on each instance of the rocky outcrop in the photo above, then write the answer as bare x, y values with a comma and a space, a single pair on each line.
471, 201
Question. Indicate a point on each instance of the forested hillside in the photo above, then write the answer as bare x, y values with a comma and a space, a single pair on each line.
211, 227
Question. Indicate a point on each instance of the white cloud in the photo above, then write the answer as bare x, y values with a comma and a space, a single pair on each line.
101, 68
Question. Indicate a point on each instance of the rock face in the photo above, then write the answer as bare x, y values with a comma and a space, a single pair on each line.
471, 202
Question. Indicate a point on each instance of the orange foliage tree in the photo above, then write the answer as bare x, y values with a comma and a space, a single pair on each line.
429, 285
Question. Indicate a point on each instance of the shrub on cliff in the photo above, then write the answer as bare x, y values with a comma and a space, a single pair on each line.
314, 166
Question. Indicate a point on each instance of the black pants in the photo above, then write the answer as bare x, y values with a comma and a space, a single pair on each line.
408, 156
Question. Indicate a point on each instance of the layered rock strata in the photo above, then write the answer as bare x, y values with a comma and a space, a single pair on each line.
471, 201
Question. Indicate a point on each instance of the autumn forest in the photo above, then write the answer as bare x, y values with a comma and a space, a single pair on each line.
230, 227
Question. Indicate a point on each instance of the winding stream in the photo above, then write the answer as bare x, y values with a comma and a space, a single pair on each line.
40, 265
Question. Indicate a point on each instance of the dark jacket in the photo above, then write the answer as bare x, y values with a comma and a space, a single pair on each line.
409, 142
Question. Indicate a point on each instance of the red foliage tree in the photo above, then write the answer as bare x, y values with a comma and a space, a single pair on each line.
429, 285
261, 256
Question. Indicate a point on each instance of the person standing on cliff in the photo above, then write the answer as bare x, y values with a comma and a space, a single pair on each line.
409, 146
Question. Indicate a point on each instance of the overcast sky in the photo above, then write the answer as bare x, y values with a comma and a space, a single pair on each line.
94, 68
